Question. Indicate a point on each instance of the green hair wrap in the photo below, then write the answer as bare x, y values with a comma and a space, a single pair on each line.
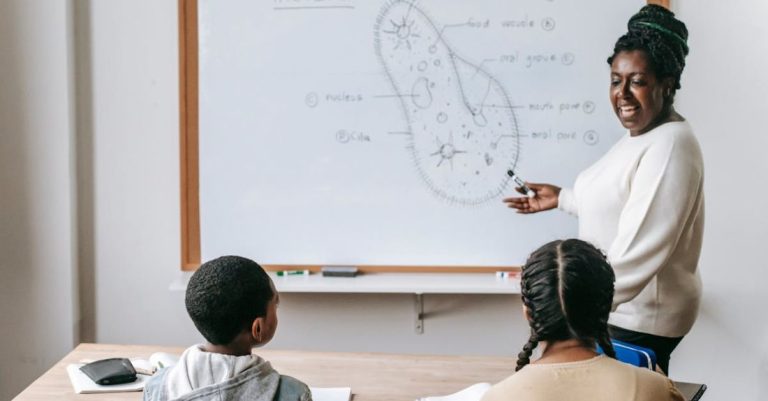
664, 30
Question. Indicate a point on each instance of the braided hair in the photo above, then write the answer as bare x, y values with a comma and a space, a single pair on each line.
663, 38
567, 287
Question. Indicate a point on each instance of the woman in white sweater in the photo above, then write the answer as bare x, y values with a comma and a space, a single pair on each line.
643, 201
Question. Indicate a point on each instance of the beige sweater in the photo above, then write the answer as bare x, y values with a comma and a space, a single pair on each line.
642, 203
598, 379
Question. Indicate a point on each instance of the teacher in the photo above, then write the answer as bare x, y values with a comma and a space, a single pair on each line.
643, 201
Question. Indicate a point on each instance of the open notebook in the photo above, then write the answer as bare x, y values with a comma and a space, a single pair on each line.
83, 384
472, 393
331, 393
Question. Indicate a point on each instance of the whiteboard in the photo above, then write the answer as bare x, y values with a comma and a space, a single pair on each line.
379, 132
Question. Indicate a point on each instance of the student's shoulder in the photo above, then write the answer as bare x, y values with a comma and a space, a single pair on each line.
292, 389
517, 383
653, 385
659, 387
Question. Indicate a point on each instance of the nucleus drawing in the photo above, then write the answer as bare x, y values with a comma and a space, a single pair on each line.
462, 130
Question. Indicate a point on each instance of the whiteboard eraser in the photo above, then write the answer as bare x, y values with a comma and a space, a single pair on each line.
339, 271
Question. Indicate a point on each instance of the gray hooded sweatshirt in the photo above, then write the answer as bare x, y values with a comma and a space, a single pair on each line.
206, 376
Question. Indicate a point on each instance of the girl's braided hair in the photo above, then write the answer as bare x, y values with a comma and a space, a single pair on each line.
567, 287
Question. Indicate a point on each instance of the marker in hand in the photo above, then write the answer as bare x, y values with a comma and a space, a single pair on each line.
521, 184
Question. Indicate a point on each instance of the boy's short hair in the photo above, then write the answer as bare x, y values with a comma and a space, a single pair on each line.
225, 295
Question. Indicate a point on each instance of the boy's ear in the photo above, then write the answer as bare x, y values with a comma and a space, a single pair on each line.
257, 329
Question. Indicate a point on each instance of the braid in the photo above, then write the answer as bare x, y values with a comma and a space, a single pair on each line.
567, 289
541, 296
590, 282
604, 341
562, 288
524, 357
602, 335
656, 31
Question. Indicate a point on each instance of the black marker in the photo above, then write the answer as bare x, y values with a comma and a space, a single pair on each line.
521, 184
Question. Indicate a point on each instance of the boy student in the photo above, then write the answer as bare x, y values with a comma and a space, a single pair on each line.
233, 304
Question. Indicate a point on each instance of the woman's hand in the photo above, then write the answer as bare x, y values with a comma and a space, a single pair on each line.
545, 199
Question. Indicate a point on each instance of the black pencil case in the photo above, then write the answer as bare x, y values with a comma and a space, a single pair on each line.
110, 371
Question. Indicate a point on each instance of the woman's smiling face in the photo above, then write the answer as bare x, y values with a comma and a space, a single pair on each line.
637, 95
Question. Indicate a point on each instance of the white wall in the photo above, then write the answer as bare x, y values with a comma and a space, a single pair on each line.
37, 303
127, 99
724, 96
128, 169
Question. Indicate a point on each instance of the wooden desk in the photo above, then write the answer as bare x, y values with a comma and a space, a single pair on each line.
372, 377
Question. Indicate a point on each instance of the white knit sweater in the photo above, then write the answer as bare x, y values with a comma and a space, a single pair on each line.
642, 203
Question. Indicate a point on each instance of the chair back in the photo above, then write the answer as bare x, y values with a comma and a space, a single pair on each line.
633, 354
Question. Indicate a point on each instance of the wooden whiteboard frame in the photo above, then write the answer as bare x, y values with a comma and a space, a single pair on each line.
189, 158
189, 135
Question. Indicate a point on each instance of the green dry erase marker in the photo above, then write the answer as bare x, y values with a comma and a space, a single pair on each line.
282, 273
